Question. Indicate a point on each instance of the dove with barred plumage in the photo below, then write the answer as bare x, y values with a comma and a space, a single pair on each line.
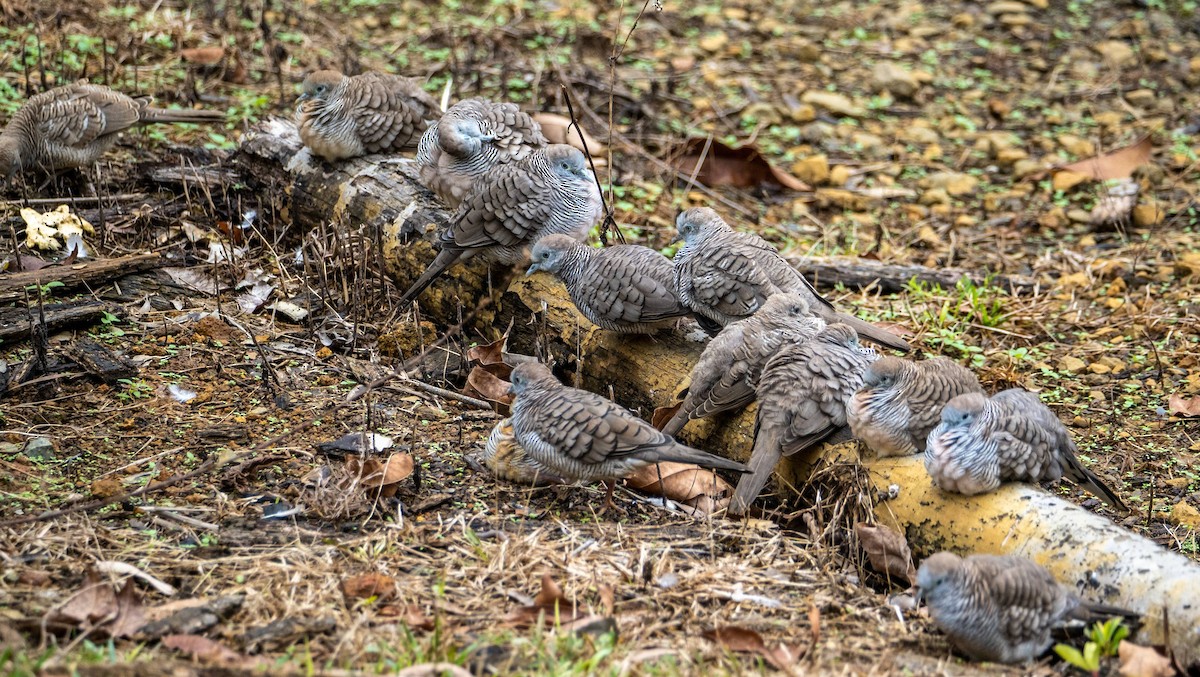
726, 275
549, 192
624, 288
474, 137
73, 125
1001, 608
727, 372
982, 442
802, 396
901, 401
342, 116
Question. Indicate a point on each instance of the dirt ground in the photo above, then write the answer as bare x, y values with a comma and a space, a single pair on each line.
925, 131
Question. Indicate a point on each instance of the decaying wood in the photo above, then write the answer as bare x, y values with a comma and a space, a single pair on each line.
99, 360
17, 323
647, 372
893, 278
88, 272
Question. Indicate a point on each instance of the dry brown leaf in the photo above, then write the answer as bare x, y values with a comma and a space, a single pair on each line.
371, 584
560, 129
549, 601
887, 550
744, 640
663, 414
1118, 164
1143, 661
204, 649
490, 382
409, 614
1179, 405
814, 623
490, 353
203, 56
95, 605
742, 167
383, 477
684, 483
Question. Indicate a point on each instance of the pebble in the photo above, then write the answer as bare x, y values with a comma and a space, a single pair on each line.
1072, 364
813, 170
890, 77
954, 183
1115, 52
838, 104
1146, 215
1185, 515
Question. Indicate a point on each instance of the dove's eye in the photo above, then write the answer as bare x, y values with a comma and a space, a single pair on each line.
545, 255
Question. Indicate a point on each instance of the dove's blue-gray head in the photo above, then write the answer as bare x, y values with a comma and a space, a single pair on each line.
321, 86
938, 577
698, 223
886, 372
568, 163
963, 410
554, 252
529, 376
785, 306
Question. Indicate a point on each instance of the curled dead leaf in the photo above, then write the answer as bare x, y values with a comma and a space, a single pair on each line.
96, 605
203, 56
489, 353
490, 382
1178, 405
560, 129
663, 414
722, 165
744, 640
1119, 164
205, 650
550, 602
683, 483
888, 551
409, 614
383, 477
371, 584
1143, 661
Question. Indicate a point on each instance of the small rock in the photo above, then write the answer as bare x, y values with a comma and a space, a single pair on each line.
1109, 118
1054, 219
1146, 215
1097, 368
1023, 168
39, 449
1079, 216
812, 170
1074, 280
833, 102
1070, 363
1185, 515
1115, 52
1077, 146
920, 134
934, 196
839, 175
954, 183
714, 42
1187, 264
807, 51
866, 141
889, 77
1066, 180
1007, 7
1142, 98
1178, 482
1011, 156
815, 132
1013, 20
802, 113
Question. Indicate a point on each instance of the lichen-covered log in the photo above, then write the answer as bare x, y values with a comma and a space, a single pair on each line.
1109, 563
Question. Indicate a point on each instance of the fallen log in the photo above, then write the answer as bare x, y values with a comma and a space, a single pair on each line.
1116, 566
18, 323
85, 272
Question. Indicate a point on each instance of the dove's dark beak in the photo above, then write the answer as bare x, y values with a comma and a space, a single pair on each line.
304, 96
678, 238
533, 268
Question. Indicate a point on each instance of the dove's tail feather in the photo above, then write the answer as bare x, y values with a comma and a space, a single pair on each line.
1087, 479
679, 453
149, 115
872, 333
444, 259
763, 459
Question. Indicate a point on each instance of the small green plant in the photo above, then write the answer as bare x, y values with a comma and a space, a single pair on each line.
135, 389
1103, 640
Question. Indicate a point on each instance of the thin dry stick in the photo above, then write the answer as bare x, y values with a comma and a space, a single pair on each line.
609, 220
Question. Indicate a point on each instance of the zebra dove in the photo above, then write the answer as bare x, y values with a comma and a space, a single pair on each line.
472, 138
550, 191
726, 275
901, 401
623, 288
583, 436
73, 125
727, 372
981, 442
1001, 608
507, 460
342, 117
802, 396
